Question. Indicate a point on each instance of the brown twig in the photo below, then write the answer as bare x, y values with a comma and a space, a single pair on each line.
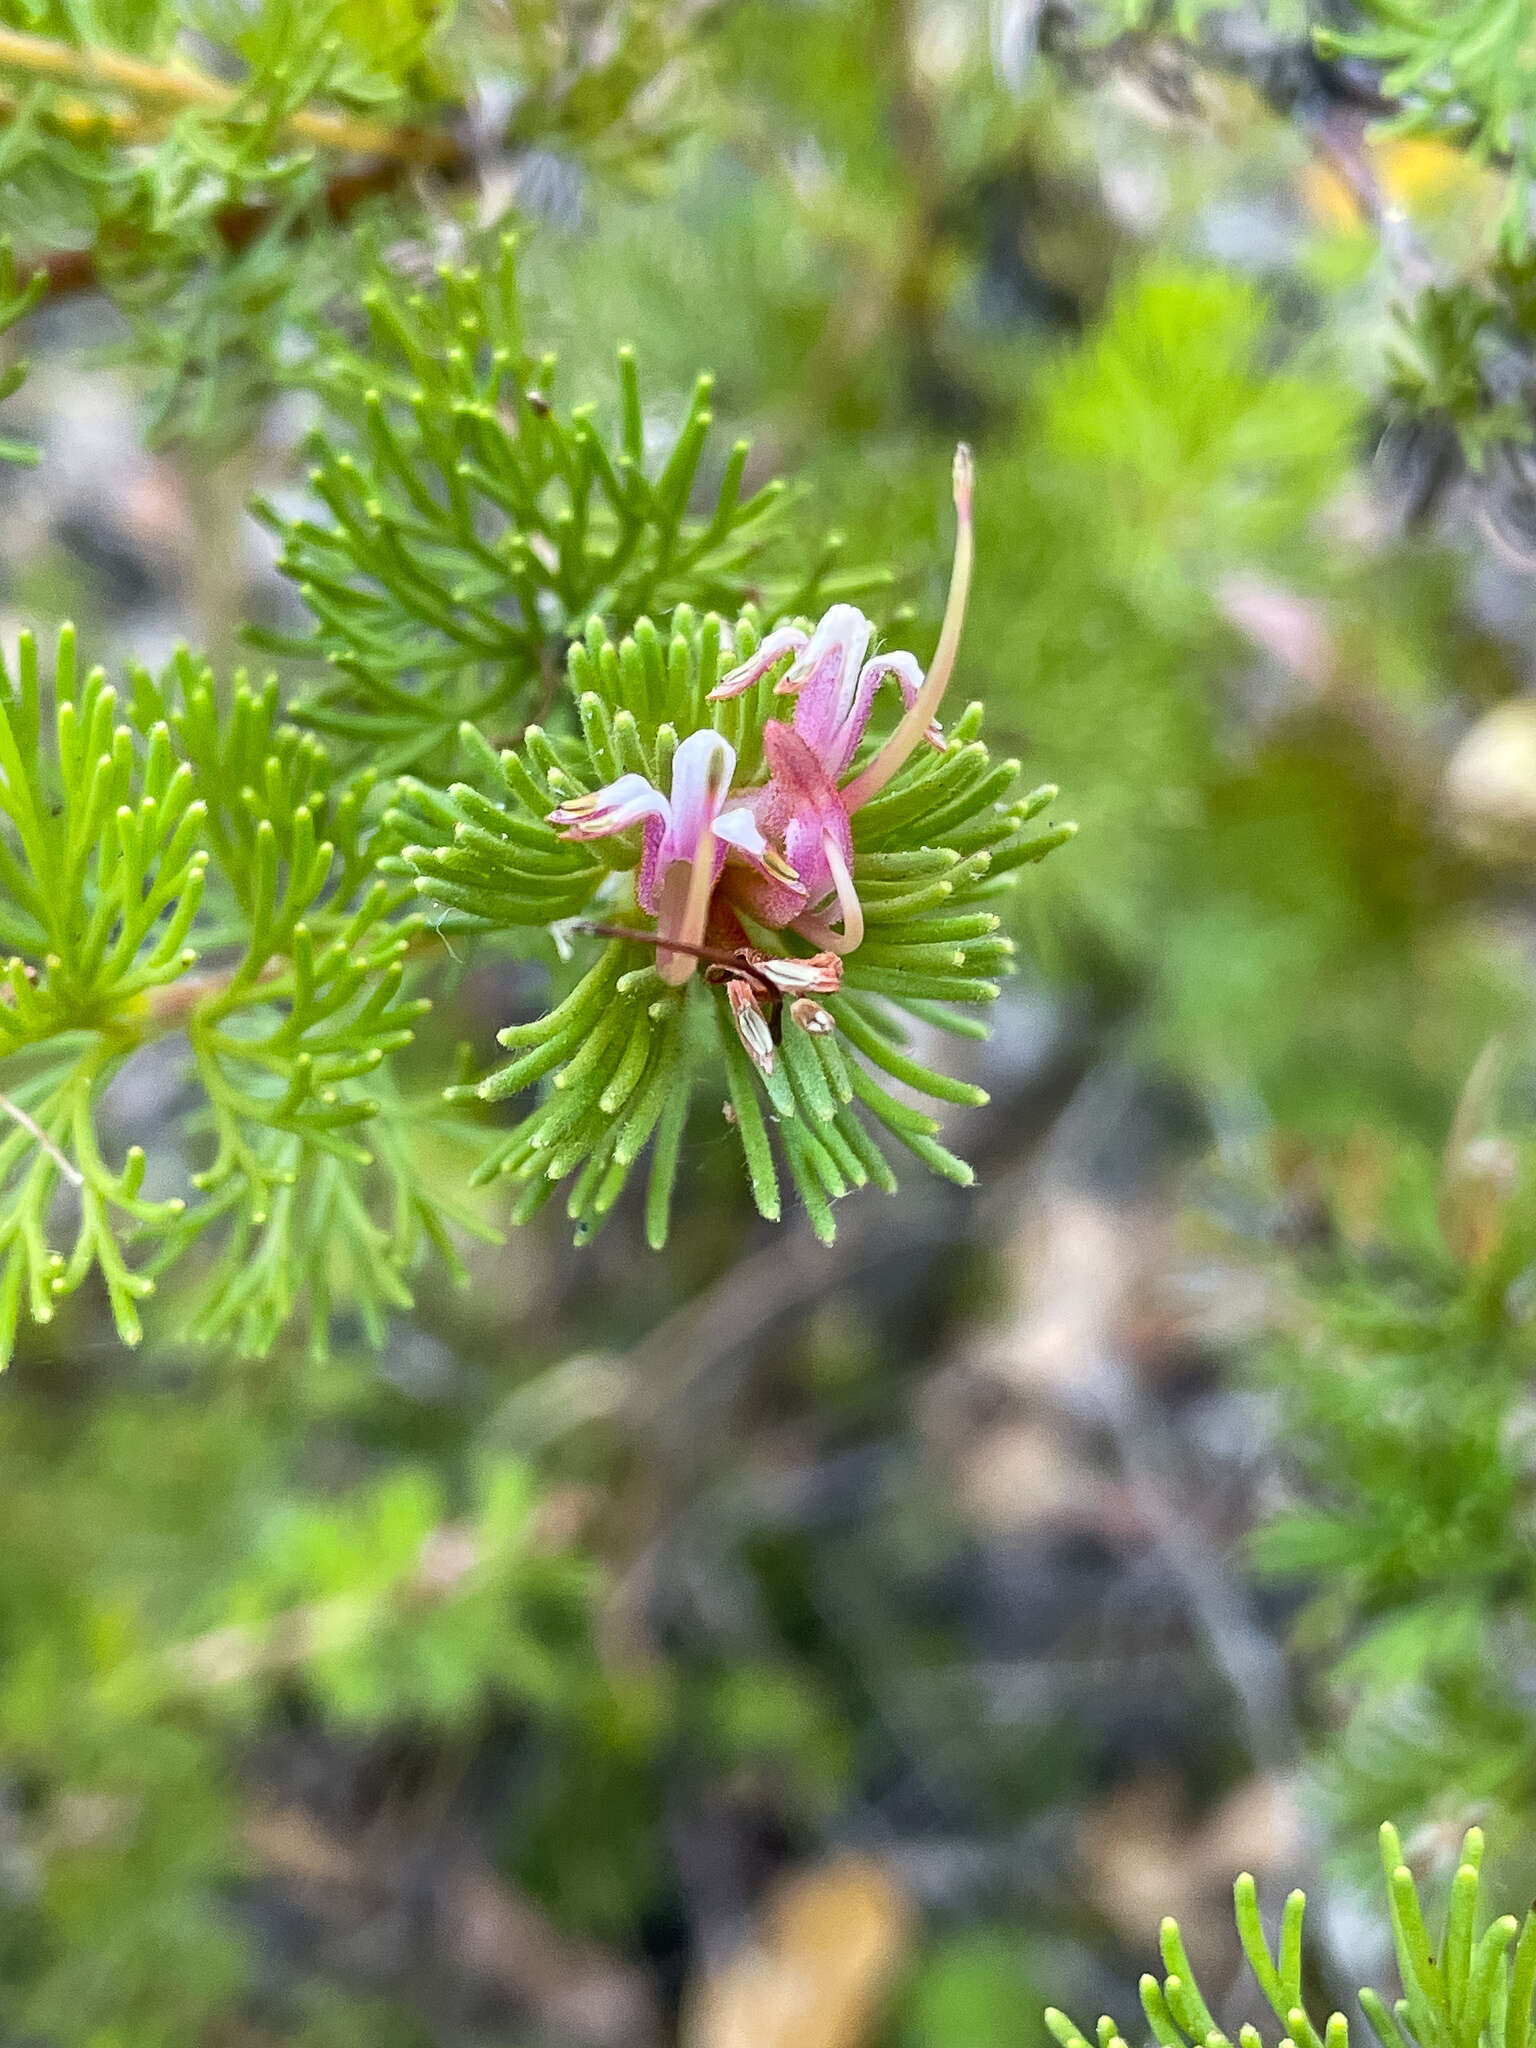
182, 87
735, 963
392, 153
238, 225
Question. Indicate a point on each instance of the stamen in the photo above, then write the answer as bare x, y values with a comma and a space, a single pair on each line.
915, 723
810, 1016
751, 1024
822, 974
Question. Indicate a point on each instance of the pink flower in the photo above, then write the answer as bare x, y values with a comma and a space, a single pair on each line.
686, 840
832, 682
783, 854
802, 808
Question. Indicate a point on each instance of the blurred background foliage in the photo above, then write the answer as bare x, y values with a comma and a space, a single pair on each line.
759, 1644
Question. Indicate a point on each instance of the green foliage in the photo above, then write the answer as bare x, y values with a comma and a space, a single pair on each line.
1459, 71
391, 1607
190, 195
476, 524
233, 900
179, 1578
1204, 453
202, 163
1468, 1990
1458, 352
1438, 360
623, 1052
18, 296
117, 879
1189, 17
1462, 71
972, 1988
101, 840
1402, 1391
606, 84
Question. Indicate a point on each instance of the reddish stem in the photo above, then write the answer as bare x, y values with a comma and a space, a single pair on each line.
712, 956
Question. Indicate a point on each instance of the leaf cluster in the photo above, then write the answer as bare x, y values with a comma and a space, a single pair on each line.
202, 164
476, 522
202, 205
18, 295
1461, 72
619, 1053
1206, 452
1464, 354
1402, 1396
183, 1573
610, 86
144, 830
1466, 1990
1189, 18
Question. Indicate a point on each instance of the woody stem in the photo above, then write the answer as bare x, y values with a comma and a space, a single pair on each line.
183, 86
872, 779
